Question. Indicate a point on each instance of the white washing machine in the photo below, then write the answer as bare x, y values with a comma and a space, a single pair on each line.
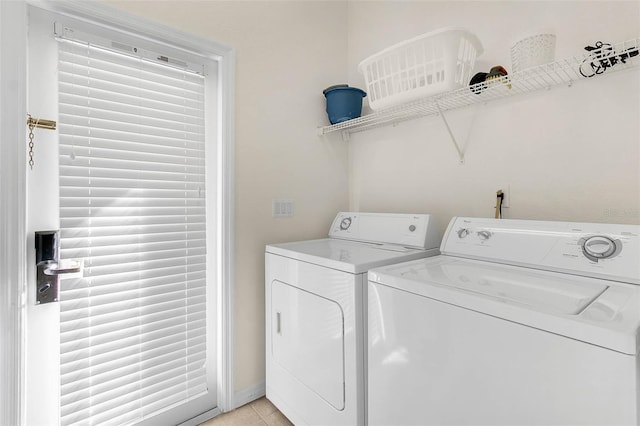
315, 316
516, 322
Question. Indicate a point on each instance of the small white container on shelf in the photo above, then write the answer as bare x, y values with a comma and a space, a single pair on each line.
431, 63
531, 51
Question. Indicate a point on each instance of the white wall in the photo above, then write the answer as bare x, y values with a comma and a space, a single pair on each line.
287, 53
567, 154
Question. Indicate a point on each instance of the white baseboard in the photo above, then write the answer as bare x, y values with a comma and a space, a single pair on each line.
249, 394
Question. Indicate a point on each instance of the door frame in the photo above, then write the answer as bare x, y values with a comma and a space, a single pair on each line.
13, 247
13, 176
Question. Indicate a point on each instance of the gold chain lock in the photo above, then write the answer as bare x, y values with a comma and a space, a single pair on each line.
32, 123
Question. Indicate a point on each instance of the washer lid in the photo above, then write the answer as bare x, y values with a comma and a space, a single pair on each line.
604, 313
348, 256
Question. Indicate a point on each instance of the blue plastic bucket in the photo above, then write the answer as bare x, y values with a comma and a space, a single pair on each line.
343, 103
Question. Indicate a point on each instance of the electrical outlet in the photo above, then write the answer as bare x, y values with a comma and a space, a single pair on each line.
506, 200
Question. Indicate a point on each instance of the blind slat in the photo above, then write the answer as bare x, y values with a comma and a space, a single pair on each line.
81, 357
74, 285
77, 378
105, 410
73, 134
149, 274
133, 114
127, 374
77, 360
107, 306
75, 95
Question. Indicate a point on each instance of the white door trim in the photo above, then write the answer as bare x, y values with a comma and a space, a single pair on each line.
225, 56
13, 250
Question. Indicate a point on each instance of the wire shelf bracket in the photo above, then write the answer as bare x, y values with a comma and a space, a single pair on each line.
453, 138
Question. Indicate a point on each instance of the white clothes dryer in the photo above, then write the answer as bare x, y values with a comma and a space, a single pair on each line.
315, 313
516, 322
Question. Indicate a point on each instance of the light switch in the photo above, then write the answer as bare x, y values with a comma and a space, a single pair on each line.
282, 208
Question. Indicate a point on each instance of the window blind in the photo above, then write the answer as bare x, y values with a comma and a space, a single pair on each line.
132, 205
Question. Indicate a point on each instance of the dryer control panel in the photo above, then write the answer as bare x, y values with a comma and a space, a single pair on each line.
599, 250
410, 230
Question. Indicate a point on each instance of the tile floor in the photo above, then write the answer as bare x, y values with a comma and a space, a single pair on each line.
260, 412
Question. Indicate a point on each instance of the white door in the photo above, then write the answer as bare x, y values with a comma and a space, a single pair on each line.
101, 356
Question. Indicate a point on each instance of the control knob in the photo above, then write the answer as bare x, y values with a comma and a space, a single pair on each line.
484, 235
463, 232
597, 247
345, 224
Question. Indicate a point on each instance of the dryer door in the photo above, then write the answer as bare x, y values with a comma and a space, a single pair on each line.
307, 340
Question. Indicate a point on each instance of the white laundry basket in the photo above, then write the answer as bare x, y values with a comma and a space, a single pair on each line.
431, 63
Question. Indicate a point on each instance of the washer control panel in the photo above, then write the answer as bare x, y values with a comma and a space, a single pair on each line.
411, 230
480, 234
600, 250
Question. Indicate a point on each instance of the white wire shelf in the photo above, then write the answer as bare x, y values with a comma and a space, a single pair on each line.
602, 61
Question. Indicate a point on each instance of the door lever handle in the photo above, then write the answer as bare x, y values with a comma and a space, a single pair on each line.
49, 267
54, 268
